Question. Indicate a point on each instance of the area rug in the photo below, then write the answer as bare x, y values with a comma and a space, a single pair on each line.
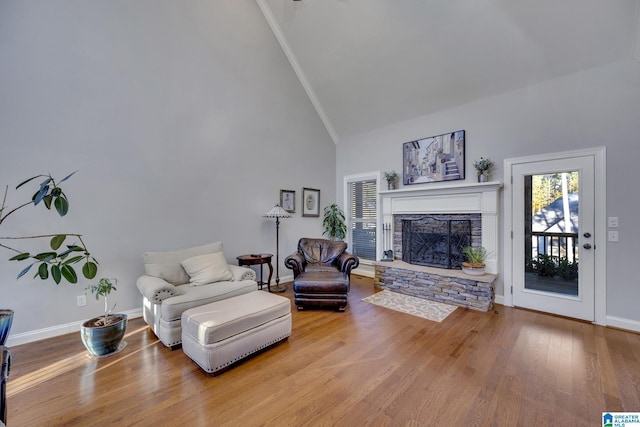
427, 309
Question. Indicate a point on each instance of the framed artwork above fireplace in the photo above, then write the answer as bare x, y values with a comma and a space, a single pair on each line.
434, 159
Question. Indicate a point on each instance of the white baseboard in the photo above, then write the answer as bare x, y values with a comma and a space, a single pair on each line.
54, 331
612, 321
628, 324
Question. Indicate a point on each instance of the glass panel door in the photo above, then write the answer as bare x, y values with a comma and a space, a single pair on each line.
553, 244
552, 219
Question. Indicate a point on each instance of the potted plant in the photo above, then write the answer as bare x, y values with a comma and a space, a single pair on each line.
102, 335
6, 319
392, 179
334, 223
483, 168
56, 263
476, 256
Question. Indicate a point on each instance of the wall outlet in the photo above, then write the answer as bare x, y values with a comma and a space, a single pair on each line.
81, 300
613, 236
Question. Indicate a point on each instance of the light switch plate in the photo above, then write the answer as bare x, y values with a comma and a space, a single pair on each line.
613, 236
612, 221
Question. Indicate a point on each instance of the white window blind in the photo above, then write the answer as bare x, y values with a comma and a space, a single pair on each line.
362, 218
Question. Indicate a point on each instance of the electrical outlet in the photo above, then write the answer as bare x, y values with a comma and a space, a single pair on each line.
613, 236
612, 221
81, 300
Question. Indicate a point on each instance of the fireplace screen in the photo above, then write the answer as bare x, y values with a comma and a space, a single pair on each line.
435, 241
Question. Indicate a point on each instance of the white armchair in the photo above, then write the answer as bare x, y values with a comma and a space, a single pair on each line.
176, 281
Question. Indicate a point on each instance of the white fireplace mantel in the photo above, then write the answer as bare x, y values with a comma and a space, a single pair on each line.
482, 198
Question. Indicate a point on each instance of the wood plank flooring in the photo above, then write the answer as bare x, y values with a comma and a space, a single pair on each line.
366, 366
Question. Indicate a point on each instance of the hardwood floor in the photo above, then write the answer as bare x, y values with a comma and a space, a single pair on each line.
366, 366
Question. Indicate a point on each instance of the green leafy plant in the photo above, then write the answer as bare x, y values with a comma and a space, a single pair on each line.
57, 263
391, 176
103, 288
549, 266
334, 223
568, 270
483, 165
544, 266
475, 256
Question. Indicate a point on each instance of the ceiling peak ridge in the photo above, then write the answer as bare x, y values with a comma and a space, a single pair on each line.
277, 31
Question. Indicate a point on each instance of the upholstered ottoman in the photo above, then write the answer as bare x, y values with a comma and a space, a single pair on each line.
321, 289
218, 334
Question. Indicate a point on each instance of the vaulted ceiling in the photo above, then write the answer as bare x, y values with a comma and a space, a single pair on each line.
370, 63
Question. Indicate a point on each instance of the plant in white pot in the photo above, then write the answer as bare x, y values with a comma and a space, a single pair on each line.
476, 256
102, 335
58, 261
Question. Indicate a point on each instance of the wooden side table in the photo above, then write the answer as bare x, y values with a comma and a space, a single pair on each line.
258, 259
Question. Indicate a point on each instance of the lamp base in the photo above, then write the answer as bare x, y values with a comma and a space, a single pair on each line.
278, 288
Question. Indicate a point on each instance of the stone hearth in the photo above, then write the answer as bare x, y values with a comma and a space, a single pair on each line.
442, 285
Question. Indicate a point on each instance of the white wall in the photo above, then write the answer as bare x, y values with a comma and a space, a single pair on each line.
184, 120
598, 107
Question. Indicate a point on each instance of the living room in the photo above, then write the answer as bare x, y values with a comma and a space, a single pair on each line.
185, 120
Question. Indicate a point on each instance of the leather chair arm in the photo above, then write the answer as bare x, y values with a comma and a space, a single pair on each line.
156, 289
346, 262
295, 262
242, 273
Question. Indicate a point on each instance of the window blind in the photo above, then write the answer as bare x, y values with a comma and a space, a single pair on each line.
362, 218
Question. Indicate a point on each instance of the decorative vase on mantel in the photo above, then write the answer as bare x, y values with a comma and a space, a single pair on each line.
6, 319
483, 168
483, 176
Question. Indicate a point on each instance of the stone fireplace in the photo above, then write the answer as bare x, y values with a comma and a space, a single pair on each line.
429, 226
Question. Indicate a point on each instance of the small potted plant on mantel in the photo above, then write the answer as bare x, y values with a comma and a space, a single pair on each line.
476, 256
392, 179
483, 168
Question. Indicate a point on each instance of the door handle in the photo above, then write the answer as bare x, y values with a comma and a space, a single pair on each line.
586, 246
587, 234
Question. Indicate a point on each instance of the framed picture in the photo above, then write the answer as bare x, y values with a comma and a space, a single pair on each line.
310, 202
434, 159
288, 200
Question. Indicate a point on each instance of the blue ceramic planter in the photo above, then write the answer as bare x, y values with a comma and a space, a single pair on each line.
103, 340
6, 319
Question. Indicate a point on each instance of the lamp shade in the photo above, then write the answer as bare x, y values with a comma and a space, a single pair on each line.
277, 212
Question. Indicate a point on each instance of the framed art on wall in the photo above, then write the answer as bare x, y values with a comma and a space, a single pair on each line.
310, 202
434, 159
288, 200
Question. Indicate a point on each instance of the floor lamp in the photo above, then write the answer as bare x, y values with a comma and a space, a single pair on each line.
277, 212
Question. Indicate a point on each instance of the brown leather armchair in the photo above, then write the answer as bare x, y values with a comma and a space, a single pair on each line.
321, 271
321, 255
